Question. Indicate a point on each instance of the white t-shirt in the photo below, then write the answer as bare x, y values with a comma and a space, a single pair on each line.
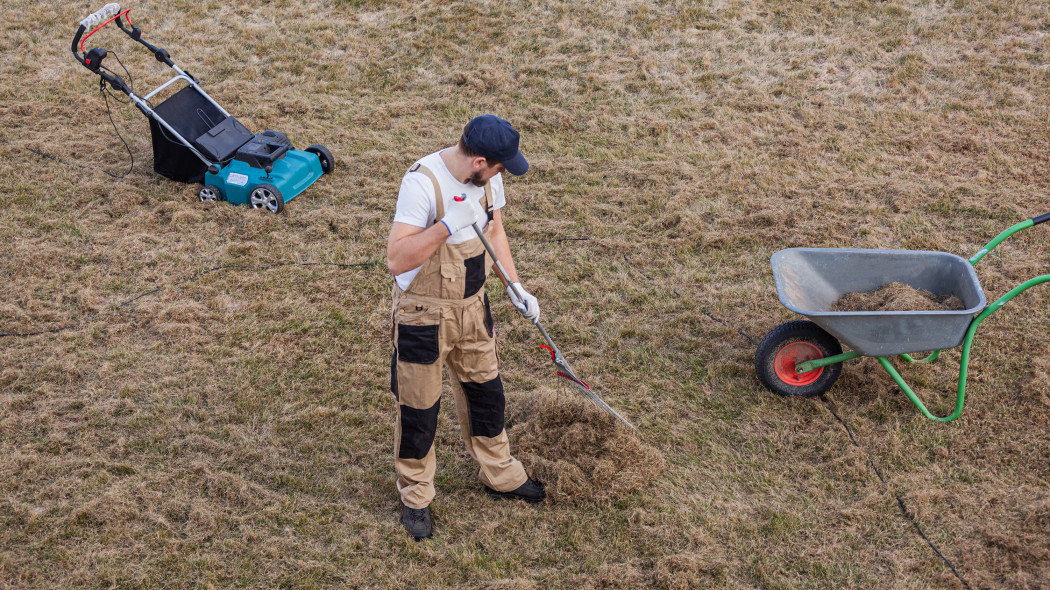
417, 205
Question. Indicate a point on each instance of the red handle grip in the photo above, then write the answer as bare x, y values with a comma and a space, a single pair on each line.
93, 31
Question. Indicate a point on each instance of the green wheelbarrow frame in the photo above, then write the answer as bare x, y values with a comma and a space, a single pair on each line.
813, 351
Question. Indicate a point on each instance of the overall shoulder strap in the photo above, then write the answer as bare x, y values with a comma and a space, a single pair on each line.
437, 188
490, 201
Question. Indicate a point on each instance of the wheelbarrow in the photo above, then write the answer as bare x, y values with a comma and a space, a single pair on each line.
804, 357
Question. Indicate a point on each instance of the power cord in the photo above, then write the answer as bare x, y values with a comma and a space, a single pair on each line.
702, 310
106, 92
201, 274
900, 502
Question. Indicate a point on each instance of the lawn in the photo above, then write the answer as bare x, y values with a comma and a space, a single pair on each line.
197, 395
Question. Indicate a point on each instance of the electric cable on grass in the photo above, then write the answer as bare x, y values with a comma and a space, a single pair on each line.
183, 282
900, 501
871, 463
562, 240
105, 91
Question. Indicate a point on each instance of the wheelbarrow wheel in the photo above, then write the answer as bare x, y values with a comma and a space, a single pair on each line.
789, 344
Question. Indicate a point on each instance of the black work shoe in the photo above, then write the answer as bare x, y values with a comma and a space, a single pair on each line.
530, 491
417, 521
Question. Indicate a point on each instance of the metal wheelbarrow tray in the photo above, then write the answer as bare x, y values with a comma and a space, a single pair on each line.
810, 280
804, 357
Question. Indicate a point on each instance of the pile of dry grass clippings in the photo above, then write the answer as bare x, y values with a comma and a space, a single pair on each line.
897, 297
578, 452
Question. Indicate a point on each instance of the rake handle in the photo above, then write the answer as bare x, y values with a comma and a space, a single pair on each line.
502, 272
559, 360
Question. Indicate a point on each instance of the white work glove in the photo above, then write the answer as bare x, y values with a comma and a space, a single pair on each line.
461, 213
530, 307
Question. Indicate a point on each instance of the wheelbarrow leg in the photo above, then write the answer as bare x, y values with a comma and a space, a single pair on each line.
959, 395
964, 360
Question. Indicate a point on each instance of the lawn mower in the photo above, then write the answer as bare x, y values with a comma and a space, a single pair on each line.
196, 141
803, 358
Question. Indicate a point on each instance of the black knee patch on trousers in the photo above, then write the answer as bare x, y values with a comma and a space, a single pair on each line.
485, 404
418, 428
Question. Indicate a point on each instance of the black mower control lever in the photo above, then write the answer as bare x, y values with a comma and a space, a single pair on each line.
135, 33
115, 81
93, 58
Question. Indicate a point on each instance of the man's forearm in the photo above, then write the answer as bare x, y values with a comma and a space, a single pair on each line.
405, 252
501, 246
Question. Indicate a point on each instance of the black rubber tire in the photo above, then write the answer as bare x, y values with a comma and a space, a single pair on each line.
327, 160
798, 331
209, 190
266, 196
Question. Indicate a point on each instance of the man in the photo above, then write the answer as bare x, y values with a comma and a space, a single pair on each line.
441, 314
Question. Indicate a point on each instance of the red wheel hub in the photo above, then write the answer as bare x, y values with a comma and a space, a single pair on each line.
791, 355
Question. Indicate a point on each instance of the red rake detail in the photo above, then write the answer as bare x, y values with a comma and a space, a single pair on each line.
563, 374
574, 380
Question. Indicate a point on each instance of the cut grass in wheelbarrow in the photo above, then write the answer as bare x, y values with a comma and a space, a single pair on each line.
803, 357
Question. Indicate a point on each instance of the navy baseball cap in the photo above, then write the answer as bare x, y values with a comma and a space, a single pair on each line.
495, 139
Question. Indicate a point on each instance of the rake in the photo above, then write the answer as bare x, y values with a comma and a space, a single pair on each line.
564, 370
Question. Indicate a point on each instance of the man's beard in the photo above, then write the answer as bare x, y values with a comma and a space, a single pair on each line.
475, 179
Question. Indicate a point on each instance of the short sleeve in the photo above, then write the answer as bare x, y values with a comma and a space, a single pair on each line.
499, 198
416, 201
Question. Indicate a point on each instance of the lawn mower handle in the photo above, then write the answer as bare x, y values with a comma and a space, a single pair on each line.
135, 33
104, 15
93, 58
106, 12
91, 21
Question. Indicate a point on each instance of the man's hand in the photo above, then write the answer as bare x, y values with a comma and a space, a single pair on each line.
528, 305
461, 213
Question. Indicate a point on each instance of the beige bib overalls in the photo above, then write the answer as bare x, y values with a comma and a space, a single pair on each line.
443, 318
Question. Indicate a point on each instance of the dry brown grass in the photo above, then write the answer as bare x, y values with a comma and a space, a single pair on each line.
235, 430
580, 453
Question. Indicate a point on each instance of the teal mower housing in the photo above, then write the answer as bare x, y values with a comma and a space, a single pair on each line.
196, 141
